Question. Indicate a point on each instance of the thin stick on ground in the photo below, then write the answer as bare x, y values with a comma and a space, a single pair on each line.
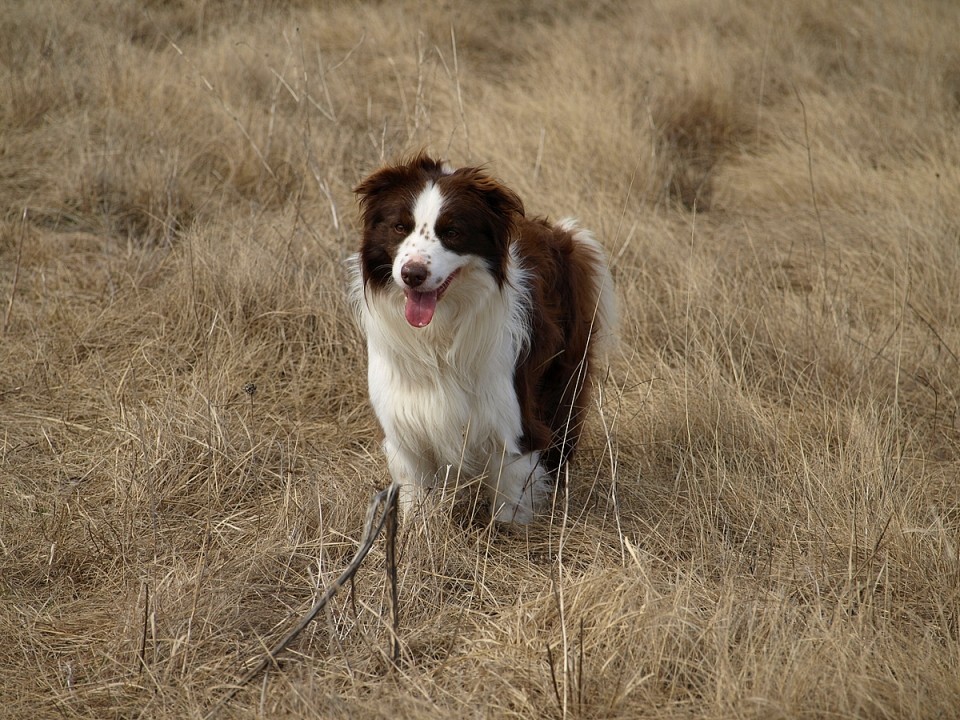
16, 271
390, 514
372, 527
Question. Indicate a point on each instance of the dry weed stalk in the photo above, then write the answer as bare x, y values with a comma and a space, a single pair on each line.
764, 518
385, 502
16, 271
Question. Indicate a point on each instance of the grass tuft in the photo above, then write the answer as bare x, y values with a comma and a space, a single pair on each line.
764, 517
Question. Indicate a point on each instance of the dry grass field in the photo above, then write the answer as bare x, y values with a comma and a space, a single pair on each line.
764, 519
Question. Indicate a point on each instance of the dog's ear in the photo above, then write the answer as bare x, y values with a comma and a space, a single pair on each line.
420, 165
498, 197
374, 191
383, 179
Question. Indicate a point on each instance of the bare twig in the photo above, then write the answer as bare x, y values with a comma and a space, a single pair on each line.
580, 671
558, 592
372, 527
219, 97
16, 271
142, 654
539, 160
813, 197
932, 329
390, 512
553, 679
456, 78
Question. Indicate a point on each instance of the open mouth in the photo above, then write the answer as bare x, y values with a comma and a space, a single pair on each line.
422, 305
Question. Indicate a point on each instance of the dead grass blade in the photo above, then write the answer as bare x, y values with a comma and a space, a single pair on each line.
385, 502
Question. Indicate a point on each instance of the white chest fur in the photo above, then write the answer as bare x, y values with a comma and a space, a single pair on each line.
445, 393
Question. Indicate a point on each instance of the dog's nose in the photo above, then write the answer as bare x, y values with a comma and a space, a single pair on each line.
414, 273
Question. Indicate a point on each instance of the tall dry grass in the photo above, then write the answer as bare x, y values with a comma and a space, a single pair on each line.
764, 520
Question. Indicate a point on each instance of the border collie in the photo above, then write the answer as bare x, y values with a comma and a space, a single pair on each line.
482, 327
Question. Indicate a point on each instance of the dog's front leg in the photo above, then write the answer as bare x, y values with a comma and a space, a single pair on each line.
517, 485
411, 473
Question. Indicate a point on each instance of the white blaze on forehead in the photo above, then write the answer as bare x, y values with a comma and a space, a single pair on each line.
422, 244
426, 210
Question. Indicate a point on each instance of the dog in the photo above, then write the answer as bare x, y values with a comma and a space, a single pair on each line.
482, 329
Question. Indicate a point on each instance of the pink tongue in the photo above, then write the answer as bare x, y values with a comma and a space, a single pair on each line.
420, 307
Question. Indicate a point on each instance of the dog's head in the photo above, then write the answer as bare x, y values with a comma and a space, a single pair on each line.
427, 225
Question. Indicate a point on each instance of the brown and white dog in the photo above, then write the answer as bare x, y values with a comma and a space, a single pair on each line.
481, 327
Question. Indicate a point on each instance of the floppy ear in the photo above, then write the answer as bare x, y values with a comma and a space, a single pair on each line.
392, 175
379, 181
500, 199
374, 187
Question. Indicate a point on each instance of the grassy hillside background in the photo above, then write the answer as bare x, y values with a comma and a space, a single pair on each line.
764, 520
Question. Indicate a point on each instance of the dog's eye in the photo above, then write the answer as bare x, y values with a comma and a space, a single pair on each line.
400, 229
450, 234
